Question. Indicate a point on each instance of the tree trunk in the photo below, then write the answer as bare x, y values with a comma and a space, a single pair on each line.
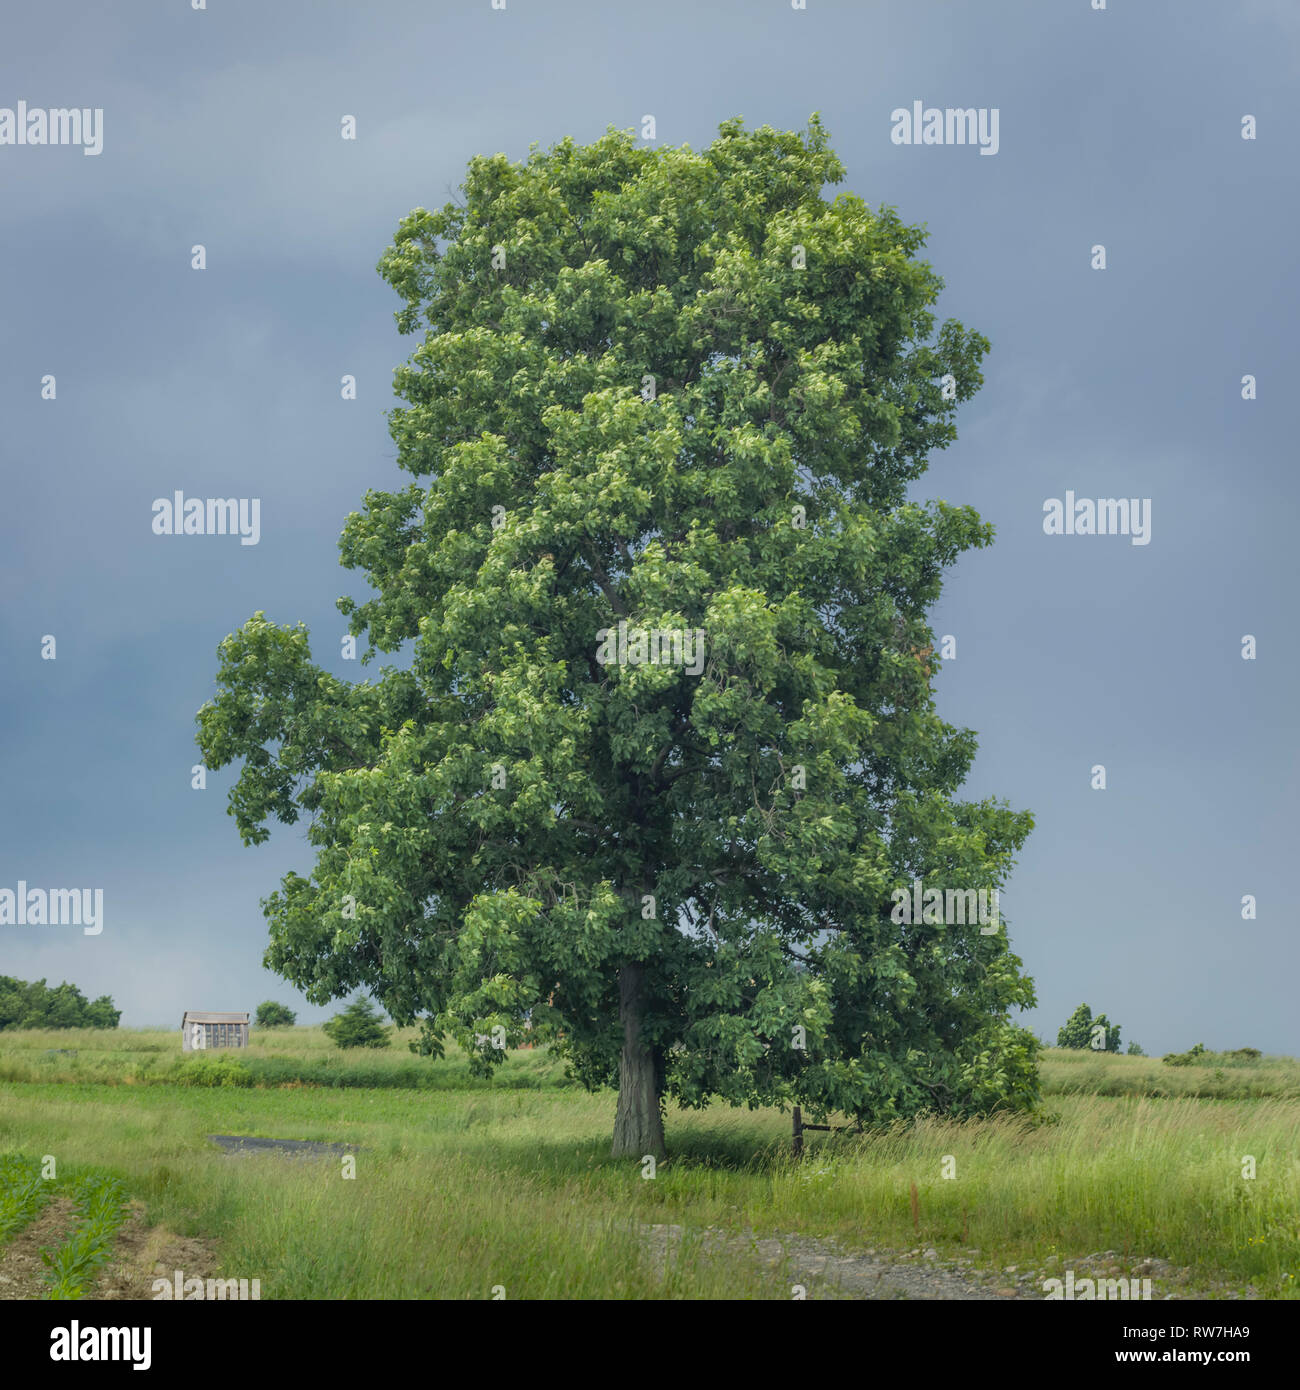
639, 1122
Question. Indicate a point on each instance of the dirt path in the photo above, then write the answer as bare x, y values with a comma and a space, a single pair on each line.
821, 1268
825, 1270
144, 1253
286, 1148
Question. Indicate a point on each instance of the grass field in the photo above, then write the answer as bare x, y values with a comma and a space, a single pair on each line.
463, 1187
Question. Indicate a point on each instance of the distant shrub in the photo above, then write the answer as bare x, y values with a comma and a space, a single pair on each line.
1198, 1056
359, 1025
273, 1015
1135, 1050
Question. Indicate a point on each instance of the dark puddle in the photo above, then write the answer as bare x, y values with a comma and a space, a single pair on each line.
290, 1148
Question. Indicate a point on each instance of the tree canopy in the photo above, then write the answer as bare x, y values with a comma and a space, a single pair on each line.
665, 741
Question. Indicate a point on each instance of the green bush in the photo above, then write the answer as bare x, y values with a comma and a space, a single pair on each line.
359, 1025
273, 1015
214, 1071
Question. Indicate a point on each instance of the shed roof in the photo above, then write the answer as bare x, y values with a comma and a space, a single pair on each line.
200, 1016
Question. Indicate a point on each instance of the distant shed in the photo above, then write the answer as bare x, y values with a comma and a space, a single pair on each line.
201, 1032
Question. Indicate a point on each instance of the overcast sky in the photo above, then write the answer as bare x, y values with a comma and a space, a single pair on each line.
1120, 127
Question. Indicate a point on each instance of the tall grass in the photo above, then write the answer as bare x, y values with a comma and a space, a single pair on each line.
460, 1189
274, 1057
1216, 1076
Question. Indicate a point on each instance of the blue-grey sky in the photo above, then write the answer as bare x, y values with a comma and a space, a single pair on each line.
1120, 127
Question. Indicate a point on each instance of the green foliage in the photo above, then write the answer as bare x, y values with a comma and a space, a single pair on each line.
359, 1025
35, 1005
1187, 1059
693, 395
1082, 1030
1135, 1050
273, 1015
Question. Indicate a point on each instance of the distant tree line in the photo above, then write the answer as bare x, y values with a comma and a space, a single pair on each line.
1198, 1056
36, 1005
1099, 1034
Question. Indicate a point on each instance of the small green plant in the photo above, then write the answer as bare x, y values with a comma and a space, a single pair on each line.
273, 1015
22, 1194
359, 1025
101, 1207
1135, 1050
1184, 1059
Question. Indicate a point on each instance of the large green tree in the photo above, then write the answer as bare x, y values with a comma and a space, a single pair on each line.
1082, 1030
685, 392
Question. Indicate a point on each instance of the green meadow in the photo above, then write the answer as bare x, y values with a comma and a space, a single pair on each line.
472, 1189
